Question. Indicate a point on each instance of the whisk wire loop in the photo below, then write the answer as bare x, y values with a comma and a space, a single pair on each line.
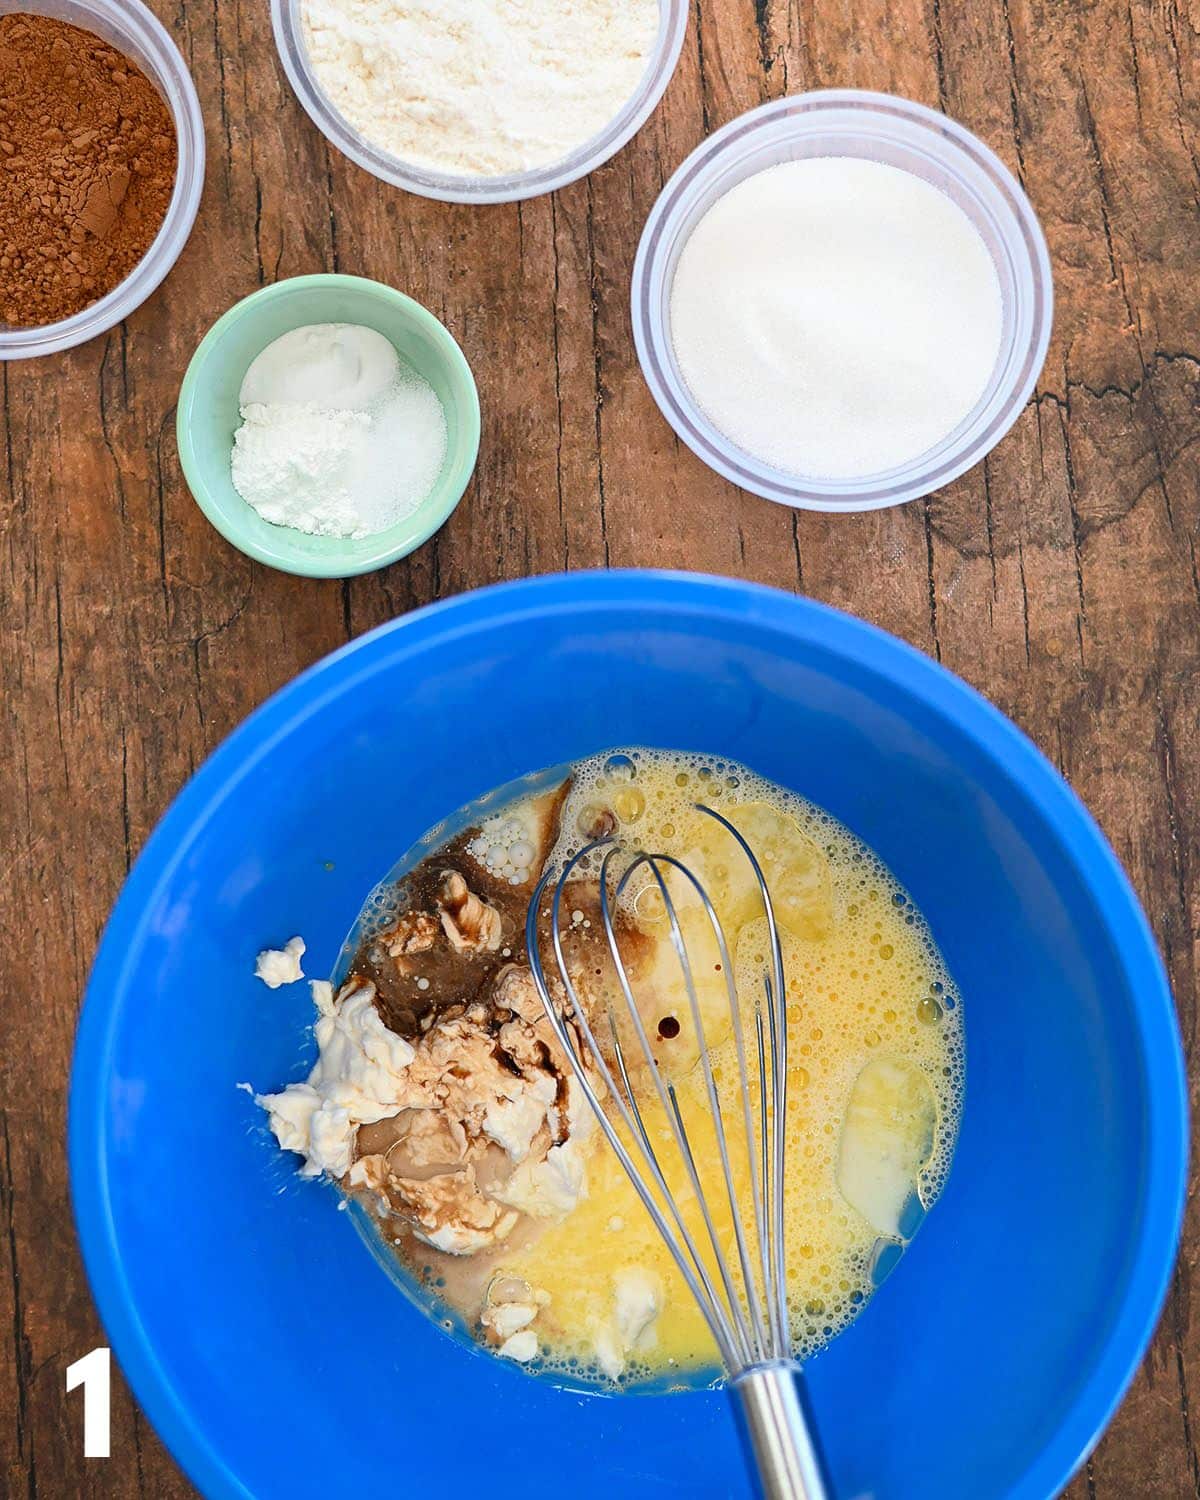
674, 1231
669, 1105
776, 992
736, 1318
754, 1337
756, 1349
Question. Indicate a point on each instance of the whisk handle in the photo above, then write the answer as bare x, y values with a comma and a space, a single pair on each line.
778, 1434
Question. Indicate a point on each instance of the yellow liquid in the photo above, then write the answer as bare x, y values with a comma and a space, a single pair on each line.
874, 1065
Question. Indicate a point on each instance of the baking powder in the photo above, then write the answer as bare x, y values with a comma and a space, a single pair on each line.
338, 436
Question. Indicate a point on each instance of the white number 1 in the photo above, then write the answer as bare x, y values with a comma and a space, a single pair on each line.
93, 1372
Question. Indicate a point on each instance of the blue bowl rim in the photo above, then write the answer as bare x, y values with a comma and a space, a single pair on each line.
1016, 757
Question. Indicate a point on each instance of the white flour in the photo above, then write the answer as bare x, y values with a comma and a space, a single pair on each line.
835, 317
338, 437
479, 87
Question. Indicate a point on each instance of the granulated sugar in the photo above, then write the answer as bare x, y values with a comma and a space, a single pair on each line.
835, 317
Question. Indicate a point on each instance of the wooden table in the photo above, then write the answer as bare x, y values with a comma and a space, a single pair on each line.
1061, 577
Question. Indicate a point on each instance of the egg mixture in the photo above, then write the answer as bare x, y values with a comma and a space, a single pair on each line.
445, 1105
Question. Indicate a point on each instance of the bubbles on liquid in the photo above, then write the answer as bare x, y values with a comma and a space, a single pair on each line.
882, 938
629, 804
884, 1260
649, 906
591, 820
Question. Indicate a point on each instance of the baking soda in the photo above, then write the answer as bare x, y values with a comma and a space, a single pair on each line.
339, 437
835, 317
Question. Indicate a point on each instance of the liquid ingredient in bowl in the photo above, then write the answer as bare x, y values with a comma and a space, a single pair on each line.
86, 172
339, 436
835, 317
479, 88
887, 1138
443, 1104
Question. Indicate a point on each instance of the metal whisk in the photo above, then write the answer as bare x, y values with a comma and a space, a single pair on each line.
745, 1302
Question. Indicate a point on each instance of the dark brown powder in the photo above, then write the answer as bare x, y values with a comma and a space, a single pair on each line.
87, 166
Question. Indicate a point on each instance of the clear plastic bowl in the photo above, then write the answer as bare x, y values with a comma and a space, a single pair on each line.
289, 38
130, 28
880, 127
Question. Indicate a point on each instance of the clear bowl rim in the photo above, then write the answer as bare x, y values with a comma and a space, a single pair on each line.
136, 22
451, 188
950, 143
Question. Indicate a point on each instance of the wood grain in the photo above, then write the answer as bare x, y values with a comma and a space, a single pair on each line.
1060, 577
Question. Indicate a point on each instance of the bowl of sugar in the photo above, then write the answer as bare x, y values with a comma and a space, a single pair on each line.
328, 425
842, 300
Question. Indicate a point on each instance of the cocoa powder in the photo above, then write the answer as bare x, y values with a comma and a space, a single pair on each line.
87, 166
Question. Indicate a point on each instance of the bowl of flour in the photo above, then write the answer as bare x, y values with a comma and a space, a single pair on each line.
842, 300
479, 101
328, 425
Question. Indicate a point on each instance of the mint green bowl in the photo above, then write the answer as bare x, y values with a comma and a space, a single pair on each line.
208, 415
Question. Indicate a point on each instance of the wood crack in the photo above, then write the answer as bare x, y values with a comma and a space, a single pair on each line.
939, 51
698, 22
21, 1351
796, 551
330, 201
933, 604
105, 434
762, 25
598, 371
1014, 103
125, 827
558, 401
8, 440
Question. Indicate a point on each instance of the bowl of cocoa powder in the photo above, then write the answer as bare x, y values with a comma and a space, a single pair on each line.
101, 167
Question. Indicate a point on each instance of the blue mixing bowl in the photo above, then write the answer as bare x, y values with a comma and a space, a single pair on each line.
268, 1347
